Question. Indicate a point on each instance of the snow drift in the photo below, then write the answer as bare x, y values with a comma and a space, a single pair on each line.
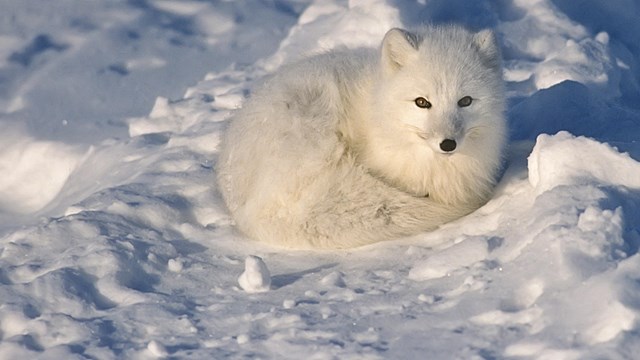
115, 244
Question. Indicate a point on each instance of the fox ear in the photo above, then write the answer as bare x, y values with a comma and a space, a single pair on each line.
487, 45
398, 47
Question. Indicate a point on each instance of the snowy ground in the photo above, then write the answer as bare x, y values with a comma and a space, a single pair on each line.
114, 243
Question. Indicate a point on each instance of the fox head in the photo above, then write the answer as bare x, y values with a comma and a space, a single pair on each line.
437, 125
441, 86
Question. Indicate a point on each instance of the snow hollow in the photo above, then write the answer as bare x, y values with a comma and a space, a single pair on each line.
114, 243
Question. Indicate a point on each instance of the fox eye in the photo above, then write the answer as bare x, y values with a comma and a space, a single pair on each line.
465, 101
422, 103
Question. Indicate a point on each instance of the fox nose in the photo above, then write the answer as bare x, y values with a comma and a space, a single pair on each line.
448, 145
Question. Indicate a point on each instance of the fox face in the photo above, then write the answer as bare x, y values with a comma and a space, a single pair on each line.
437, 125
439, 91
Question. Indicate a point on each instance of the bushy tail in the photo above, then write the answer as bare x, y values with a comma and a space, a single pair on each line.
361, 209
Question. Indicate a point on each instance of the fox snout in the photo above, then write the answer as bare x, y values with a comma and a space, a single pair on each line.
447, 135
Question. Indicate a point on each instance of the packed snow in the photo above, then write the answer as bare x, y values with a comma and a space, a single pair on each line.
256, 276
115, 244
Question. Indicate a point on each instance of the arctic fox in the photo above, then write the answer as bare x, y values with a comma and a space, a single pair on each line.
352, 147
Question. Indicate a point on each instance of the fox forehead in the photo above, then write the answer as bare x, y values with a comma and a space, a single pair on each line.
435, 85
446, 77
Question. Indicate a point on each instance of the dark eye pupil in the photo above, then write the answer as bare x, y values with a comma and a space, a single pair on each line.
465, 101
422, 103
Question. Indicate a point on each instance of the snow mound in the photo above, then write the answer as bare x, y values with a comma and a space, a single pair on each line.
325, 25
256, 276
564, 159
34, 171
114, 242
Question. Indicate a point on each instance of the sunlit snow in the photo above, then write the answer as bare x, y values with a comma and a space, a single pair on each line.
114, 243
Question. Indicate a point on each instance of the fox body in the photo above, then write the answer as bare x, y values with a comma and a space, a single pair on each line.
353, 147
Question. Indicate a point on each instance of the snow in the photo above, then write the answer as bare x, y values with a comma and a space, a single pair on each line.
257, 278
114, 242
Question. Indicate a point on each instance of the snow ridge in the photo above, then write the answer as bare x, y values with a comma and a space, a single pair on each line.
114, 242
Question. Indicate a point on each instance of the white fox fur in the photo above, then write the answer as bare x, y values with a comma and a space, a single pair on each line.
334, 152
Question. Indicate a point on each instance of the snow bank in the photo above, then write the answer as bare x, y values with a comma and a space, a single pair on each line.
325, 25
33, 171
115, 244
560, 49
566, 160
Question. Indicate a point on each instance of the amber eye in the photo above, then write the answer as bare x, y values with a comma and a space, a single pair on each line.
422, 103
465, 101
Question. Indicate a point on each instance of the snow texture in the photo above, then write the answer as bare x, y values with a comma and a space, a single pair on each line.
114, 243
